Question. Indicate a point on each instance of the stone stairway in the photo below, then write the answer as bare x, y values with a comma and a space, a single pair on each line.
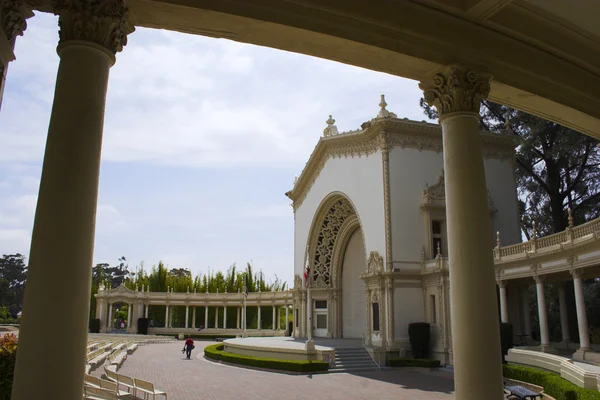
353, 360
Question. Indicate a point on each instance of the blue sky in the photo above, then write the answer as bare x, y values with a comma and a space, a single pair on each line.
202, 139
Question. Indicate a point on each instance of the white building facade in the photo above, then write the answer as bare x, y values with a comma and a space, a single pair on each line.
370, 220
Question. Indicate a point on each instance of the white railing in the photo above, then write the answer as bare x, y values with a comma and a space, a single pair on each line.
364, 344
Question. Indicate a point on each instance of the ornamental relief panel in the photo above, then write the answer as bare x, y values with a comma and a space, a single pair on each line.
339, 211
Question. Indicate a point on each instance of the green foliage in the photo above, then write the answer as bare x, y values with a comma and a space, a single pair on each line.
413, 362
419, 334
216, 352
94, 325
506, 338
13, 272
553, 384
8, 357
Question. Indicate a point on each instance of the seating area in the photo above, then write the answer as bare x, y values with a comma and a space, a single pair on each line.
133, 385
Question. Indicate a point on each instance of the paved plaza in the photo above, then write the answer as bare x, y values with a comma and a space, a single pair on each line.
165, 366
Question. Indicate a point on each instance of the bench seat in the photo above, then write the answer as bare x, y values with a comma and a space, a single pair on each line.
522, 393
132, 348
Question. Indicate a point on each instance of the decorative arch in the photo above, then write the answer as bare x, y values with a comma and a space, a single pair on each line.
332, 227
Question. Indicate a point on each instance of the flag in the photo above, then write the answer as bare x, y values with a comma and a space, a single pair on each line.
307, 268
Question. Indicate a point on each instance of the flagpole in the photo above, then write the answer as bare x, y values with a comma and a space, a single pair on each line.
245, 334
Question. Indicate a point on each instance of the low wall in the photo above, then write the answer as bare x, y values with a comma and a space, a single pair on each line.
279, 353
216, 332
560, 365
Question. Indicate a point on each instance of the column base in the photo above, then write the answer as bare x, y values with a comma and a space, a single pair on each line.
547, 349
310, 346
245, 334
579, 355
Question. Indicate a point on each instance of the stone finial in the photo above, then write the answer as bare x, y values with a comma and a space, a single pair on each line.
507, 127
534, 233
331, 129
570, 216
383, 112
497, 239
105, 23
168, 289
455, 88
439, 250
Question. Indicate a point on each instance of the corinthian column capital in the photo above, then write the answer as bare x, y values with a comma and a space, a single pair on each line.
456, 89
13, 16
104, 22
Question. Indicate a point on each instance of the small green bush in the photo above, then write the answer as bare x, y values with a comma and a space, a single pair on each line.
553, 384
419, 335
8, 357
215, 352
413, 362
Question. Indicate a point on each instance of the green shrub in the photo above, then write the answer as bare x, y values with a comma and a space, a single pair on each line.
94, 325
419, 334
8, 357
215, 352
506, 339
553, 384
413, 362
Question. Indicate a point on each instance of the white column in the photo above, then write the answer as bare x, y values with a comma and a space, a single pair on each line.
205, 317
129, 315
167, 317
62, 241
170, 316
503, 302
187, 315
369, 318
109, 324
542, 312
278, 326
584, 336
564, 319
224, 317
526, 311
216, 317
194, 317
258, 323
237, 325
456, 93
287, 316
99, 316
147, 309
274, 318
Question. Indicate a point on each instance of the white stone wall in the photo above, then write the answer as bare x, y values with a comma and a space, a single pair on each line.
408, 308
361, 180
499, 176
354, 301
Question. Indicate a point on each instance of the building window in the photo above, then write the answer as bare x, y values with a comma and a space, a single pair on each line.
436, 238
433, 313
321, 321
375, 307
320, 304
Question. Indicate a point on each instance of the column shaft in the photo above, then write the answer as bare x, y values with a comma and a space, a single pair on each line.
584, 336
216, 317
129, 315
237, 324
287, 317
274, 318
109, 324
205, 317
564, 319
503, 303
194, 317
147, 310
187, 314
542, 313
259, 318
167, 316
224, 317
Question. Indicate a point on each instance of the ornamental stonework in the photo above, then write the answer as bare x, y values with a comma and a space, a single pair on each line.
13, 16
104, 22
456, 89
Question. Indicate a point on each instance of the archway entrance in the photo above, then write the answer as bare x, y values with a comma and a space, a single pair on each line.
354, 300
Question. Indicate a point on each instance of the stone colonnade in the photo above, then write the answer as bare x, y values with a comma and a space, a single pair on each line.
525, 317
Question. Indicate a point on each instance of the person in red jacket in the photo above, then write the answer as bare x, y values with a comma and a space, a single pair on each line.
188, 347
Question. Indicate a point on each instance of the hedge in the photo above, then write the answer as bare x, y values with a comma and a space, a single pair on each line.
8, 357
419, 335
553, 384
413, 362
216, 352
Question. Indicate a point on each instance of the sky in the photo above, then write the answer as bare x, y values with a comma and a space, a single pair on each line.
202, 138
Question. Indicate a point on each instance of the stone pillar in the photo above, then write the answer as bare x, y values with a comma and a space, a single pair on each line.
237, 318
542, 312
368, 340
389, 320
503, 302
224, 317
129, 314
564, 318
187, 315
167, 316
147, 310
100, 316
278, 324
456, 92
62, 242
216, 317
582, 324
274, 318
109, 324
258, 322
194, 317
205, 317
526, 311
301, 314
287, 318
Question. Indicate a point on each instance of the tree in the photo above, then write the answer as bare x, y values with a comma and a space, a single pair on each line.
13, 272
556, 168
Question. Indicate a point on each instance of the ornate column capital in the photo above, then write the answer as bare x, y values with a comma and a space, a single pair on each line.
104, 22
576, 273
455, 88
501, 284
539, 278
13, 16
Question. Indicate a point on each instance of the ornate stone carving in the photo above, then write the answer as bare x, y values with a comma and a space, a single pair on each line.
456, 89
339, 211
383, 112
437, 193
297, 282
104, 22
374, 263
331, 129
13, 16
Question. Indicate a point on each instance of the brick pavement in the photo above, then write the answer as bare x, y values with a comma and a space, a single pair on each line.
166, 367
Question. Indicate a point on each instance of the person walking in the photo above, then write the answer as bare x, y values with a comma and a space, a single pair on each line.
188, 347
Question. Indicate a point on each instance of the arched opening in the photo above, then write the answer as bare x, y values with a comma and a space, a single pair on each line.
354, 303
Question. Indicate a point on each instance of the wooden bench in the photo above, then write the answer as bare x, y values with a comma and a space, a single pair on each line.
522, 393
94, 393
148, 389
132, 348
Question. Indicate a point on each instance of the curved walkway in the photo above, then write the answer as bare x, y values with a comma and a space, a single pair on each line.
166, 367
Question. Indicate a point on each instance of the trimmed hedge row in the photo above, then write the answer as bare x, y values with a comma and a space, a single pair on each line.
8, 357
553, 384
413, 362
216, 352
